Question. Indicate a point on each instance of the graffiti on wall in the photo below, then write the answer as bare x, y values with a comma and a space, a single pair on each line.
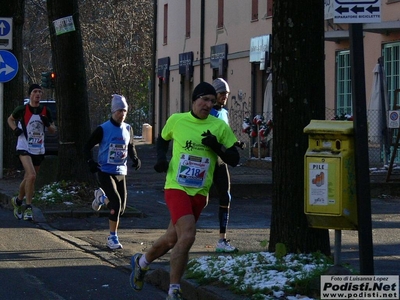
240, 108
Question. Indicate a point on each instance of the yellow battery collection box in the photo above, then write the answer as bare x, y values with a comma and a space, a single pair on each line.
330, 191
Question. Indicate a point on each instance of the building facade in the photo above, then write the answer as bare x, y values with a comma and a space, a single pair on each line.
201, 40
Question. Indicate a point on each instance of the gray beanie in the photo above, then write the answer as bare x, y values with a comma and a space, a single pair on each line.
220, 85
118, 102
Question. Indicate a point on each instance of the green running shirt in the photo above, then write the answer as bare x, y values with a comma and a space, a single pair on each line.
192, 164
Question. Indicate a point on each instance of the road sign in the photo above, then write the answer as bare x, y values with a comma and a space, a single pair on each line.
394, 121
64, 25
347, 11
6, 33
8, 66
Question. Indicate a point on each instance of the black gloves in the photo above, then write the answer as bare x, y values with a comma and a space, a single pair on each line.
93, 166
161, 166
162, 163
240, 145
136, 163
230, 156
18, 131
211, 141
45, 120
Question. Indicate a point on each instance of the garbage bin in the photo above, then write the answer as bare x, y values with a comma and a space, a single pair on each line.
147, 133
330, 192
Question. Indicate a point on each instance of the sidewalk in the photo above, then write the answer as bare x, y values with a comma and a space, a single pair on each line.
248, 226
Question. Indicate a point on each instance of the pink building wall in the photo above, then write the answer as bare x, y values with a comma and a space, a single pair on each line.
237, 32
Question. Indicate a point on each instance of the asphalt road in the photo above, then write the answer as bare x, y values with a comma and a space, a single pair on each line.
66, 258
36, 264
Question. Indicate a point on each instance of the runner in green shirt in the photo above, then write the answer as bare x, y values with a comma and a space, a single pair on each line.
198, 139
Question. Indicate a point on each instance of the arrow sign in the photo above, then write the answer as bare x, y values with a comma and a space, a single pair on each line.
357, 9
357, 2
363, 11
342, 9
6, 33
5, 28
8, 66
7, 70
2, 27
372, 9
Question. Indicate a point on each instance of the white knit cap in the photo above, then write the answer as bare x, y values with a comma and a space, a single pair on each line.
220, 85
118, 102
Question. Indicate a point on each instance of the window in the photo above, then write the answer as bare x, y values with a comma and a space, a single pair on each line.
343, 83
254, 10
220, 14
391, 57
165, 40
187, 19
269, 7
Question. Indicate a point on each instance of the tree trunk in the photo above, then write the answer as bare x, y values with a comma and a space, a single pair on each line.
13, 90
71, 92
299, 96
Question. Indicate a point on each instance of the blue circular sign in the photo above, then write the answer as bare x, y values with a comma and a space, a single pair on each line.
8, 66
5, 28
394, 115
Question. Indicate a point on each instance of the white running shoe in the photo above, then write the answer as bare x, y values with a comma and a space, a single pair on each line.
17, 208
225, 246
176, 295
113, 242
136, 279
28, 214
98, 201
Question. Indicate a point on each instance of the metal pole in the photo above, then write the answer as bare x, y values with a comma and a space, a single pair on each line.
384, 111
1, 128
338, 247
202, 34
361, 150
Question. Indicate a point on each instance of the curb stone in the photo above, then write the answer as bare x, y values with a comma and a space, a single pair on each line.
83, 213
159, 277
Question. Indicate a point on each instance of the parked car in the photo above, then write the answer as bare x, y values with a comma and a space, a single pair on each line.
51, 139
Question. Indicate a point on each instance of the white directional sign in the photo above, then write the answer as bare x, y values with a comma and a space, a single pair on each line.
6, 33
357, 11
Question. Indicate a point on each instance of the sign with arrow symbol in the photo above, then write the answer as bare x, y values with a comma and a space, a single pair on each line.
347, 11
8, 66
6, 33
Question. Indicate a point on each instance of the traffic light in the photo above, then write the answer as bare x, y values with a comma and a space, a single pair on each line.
46, 80
52, 80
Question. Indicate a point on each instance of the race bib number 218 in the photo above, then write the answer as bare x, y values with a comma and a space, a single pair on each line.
192, 170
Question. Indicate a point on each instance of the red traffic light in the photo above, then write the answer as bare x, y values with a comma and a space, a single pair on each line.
48, 80
52, 80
